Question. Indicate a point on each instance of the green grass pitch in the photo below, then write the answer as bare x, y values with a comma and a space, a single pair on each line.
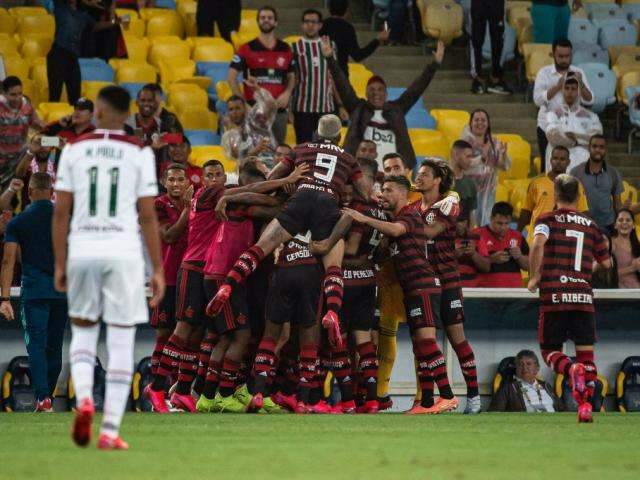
283, 447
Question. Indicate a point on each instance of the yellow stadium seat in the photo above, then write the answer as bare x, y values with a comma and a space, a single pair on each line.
164, 39
8, 45
216, 50
290, 137
8, 24
198, 118
174, 69
248, 14
186, 7
629, 79
181, 96
450, 122
3, 11
190, 25
148, 13
538, 58
248, 29
201, 154
517, 194
626, 62
223, 90
15, 65
36, 46
165, 25
524, 37
136, 26
24, 11
43, 25
629, 192
520, 152
359, 77
52, 111
443, 21
137, 48
617, 50
502, 193
30, 91
537, 165
429, 143
291, 39
519, 16
90, 90
130, 71
168, 51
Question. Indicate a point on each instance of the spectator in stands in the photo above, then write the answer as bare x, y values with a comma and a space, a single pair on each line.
602, 184
108, 42
375, 118
570, 124
17, 115
70, 127
490, 155
625, 251
367, 149
342, 33
551, 19
469, 260
270, 61
505, 248
461, 159
168, 120
236, 114
524, 392
491, 12
44, 310
226, 13
547, 90
178, 151
282, 151
540, 193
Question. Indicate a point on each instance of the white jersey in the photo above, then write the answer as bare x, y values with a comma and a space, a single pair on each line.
107, 172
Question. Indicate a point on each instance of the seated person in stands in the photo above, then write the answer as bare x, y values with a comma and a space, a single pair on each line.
570, 124
625, 251
469, 260
524, 392
236, 114
505, 249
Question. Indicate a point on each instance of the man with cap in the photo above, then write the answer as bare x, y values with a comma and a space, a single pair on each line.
376, 118
178, 151
72, 126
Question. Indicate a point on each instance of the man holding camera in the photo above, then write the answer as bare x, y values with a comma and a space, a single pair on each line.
72, 126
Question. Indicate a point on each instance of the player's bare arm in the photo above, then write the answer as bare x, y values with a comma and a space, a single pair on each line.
535, 261
362, 188
391, 229
339, 231
149, 226
60, 232
274, 183
244, 198
6, 276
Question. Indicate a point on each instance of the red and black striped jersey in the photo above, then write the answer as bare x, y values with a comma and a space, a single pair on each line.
330, 167
409, 255
364, 273
441, 250
202, 222
168, 213
296, 252
573, 242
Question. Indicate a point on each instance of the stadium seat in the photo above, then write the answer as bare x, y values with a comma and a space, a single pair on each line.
420, 118
133, 88
626, 62
36, 46
136, 27
95, 69
518, 16
217, 50
603, 85
504, 373
537, 55
429, 143
41, 81
52, 111
142, 377
634, 117
18, 394
28, 11
291, 39
629, 193
165, 25
168, 4
563, 392
181, 96
590, 54
520, 152
617, 32
43, 25
202, 137
248, 29
202, 153
90, 90
216, 71
628, 385
502, 192
174, 69
359, 78
443, 21
604, 11
517, 193
198, 118
169, 51
616, 51
148, 13
450, 123
130, 71
137, 48
15, 65
9, 46
8, 24
582, 32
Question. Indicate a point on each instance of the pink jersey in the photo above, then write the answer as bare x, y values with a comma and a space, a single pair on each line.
202, 222
172, 253
232, 238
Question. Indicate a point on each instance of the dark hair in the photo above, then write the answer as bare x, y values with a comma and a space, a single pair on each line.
312, 11
285, 145
40, 181
461, 145
338, 7
213, 163
567, 188
560, 147
399, 180
392, 155
250, 169
366, 140
235, 98
502, 208
175, 166
268, 8
116, 97
370, 165
150, 87
528, 354
597, 136
487, 135
441, 170
561, 42
10, 82
571, 81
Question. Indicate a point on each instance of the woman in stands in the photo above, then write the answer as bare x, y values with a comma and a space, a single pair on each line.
625, 250
490, 154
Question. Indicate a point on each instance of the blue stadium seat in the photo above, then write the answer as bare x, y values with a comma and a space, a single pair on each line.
132, 88
582, 32
590, 54
616, 32
202, 137
168, 4
95, 70
508, 50
393, 93
603, 84
632, 11
604, 11
420, 119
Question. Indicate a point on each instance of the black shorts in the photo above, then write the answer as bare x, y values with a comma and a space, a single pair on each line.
358, 308
422, 310
294, 295
257, 289
555, 328
310, 210
191, 299
235, 314
451, 308
164, 315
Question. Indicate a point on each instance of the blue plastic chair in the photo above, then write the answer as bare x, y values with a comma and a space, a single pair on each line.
133, 88
616, 32
590, 54
168, 4
634, 116
604, 11
95, 70
582, 32
603, 85
632, 11
509, 46
202, 137
420, 119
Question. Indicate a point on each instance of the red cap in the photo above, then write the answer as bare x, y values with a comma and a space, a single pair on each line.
377, 79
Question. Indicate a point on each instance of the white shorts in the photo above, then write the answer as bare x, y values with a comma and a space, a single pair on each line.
111, 289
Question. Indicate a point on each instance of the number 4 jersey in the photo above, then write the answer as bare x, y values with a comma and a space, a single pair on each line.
573, 242
107, 172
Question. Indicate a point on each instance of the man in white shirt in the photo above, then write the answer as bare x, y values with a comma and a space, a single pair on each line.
569, 124
106, 187
547, 90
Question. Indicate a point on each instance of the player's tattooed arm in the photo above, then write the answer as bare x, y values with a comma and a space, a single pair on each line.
535, 261
171, 233
244, 198
340, 229
391, 229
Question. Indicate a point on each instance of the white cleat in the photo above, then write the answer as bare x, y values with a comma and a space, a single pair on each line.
473, 405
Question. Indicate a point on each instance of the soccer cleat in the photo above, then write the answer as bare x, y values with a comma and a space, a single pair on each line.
107, 442
370, 406
473, 405
301, 408
287, 402
446, 404
81, 431
269, 406
204, 404
385, 403
584, 413
218, 301
348, 407
420, 410
321, 407
228, 404
577, 382
157, 399
183, 402
331, 323
44, 406
253, 403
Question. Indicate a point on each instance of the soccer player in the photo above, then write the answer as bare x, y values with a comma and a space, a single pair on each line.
314, 206
420, 286
108, 181
565, 245
434, 179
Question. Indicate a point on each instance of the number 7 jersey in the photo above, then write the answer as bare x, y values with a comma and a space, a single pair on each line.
573, 242
107, 172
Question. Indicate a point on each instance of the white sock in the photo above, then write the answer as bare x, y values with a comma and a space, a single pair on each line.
120, 342
82, 356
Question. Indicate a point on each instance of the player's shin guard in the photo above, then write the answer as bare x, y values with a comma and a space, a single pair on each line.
161, 341
333, 288
171, 354
120, 343
187, 368
557, 360
308, 370
468, 366
437, 365
587, 357
244, 266
264, 365
228, 377
212, 379
206, 347
425, 377
368, 367
341, 367
82, 355
387, 351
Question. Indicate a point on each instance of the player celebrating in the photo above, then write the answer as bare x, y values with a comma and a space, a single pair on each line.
108, 180
421, 290
434, 180
565, 245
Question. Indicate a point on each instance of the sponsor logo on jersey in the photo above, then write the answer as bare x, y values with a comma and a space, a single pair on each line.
573, 218
566, 279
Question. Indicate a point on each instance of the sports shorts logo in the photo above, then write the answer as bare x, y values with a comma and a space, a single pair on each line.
416, 312
455, 304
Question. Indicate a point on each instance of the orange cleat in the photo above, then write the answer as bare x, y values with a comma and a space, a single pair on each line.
217, 302
446, 404
420, 410
81, 431
107, 442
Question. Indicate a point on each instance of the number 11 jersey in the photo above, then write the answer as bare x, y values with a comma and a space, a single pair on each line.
107, 172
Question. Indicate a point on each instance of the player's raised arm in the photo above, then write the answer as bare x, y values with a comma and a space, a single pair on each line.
391, 229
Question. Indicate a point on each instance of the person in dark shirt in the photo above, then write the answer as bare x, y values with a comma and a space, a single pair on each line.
343, 34
44, 309
461, 158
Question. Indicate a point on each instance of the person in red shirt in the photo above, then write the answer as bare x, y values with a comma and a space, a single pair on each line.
469, 260
506, 249
70, 127
179, 151
566, 246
